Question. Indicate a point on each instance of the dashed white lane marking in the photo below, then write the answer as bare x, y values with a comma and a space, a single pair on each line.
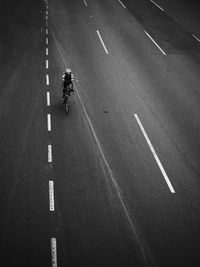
85, 2
196, 38
157, 5
122, 4
46, 12
155, 43
46, 17
47, 79
47, 31
54, 252
48, 99
47, 23
102, 42
49, 122
47, 41
47, 63
47, 51
51, 196
49, 153
154, 154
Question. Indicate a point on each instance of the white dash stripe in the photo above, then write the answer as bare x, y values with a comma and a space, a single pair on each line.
46, 23
54, 252
196, 38
47, 31
47, 41
49, 153
51, 196
157, 5
46, 17
49, 122
155, 43
154, 154
47, 51
47, 63
102, 42
46, 12
85, 2
48, 99
122, 4
47, 79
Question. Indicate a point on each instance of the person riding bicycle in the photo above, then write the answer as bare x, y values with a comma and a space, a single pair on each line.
68, 85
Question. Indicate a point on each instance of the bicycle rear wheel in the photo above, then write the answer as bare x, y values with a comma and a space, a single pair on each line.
67, 107
66, 101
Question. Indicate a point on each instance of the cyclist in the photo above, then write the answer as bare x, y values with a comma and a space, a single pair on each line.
67, 79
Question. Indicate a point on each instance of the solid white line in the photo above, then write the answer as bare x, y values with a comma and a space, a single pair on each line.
47, 41
51, 196
196, 38
122, 4
54, 252
155, 43
58, 49
85, 2
47, 51
48, 99
47, 63
49, 153
47, 79
154, 154
49, 122
102, 42
157, 5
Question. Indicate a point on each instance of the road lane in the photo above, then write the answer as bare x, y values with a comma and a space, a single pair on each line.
26, 225
186, 13
164, 29
83, 195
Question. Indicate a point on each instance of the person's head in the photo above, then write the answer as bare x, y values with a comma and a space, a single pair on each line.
68, 71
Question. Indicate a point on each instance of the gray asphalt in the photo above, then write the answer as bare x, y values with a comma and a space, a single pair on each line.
113, 206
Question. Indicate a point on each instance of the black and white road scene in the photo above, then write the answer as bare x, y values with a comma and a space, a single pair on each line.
113, 181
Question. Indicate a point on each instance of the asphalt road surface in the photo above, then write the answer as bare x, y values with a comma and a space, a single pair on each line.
116, 182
